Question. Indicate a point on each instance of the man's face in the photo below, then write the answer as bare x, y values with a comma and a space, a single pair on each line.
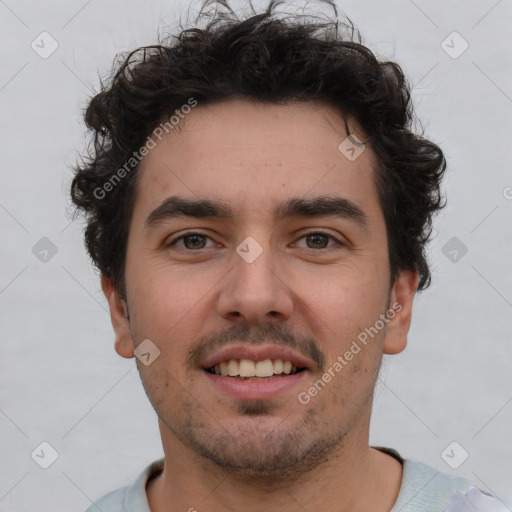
256, 287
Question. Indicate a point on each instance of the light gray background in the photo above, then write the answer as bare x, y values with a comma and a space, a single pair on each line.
62, 381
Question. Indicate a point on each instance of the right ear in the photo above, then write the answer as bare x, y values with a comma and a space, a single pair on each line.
124, 344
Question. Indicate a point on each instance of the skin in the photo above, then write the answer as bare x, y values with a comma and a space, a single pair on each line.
277, 454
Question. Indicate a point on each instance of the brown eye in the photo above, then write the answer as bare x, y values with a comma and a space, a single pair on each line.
319, 240
191, 241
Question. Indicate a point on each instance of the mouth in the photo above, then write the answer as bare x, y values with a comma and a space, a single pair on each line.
256, 372
249, 370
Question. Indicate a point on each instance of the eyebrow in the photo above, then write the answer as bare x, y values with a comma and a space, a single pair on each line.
177, 207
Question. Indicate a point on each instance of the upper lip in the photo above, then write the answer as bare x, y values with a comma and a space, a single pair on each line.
257, 353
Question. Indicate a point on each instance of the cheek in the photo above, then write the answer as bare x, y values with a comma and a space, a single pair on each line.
348, 392
163, 310
347, 301
162, 296
354, 384
161, 386
346, 315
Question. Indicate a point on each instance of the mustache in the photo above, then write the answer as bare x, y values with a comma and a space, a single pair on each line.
267, 333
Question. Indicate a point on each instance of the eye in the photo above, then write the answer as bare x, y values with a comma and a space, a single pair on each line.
319, 239
195, 240
191, 241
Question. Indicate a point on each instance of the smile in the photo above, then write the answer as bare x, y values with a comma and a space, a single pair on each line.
254, 370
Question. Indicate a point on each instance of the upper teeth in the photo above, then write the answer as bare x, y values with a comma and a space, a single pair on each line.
248, 368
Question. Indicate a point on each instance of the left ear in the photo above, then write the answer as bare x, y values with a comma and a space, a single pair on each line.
402, 296
119, 316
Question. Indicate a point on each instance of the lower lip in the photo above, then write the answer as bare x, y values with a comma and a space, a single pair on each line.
254, 389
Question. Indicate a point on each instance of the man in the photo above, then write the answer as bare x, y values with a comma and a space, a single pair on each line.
259, 209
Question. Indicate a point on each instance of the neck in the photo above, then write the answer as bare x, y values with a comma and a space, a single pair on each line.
356, 478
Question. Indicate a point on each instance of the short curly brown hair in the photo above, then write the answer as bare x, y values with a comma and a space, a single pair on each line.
269, 59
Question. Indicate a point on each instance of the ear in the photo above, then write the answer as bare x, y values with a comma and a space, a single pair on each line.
119, 315
402, 296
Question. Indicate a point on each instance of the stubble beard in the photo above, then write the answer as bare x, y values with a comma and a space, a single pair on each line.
269, 454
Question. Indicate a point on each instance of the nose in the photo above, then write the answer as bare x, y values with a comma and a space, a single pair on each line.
256, 292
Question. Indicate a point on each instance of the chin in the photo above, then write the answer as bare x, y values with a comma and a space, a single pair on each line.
264, 447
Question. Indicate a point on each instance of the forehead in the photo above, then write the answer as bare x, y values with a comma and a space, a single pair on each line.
255, 155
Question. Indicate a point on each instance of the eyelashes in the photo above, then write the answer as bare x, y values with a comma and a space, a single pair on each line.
190, 235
